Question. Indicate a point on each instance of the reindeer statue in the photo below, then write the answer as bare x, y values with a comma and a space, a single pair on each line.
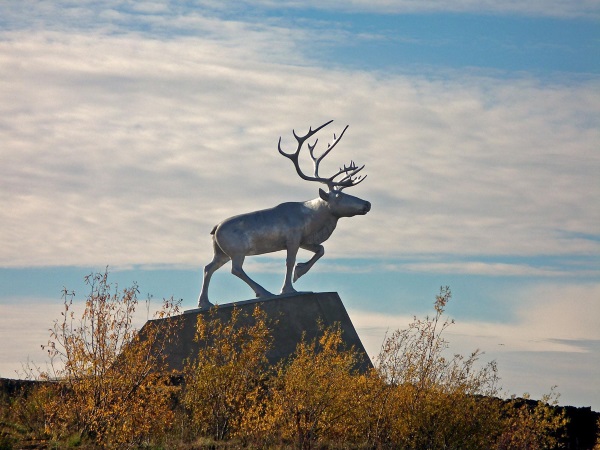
289, 226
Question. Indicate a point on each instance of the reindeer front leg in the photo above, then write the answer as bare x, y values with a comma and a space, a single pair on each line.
302, 268
290, 261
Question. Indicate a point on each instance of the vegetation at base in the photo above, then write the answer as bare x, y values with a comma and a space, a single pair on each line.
107, 388
100, 384
228, 377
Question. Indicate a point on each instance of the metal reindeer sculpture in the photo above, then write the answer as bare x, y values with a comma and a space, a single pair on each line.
289, 226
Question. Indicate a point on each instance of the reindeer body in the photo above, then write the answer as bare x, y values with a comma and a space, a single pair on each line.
274, 229
288, 226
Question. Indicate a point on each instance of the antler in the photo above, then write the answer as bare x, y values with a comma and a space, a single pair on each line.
350, 179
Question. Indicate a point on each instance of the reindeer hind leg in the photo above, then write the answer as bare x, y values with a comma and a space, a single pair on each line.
219, 259
236, 268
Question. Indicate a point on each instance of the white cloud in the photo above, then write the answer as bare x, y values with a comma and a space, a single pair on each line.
124, 150
563, 312
443, 264
554, 340
484, 268
548, 318
26, 323
551, 8
211, 19
25, 342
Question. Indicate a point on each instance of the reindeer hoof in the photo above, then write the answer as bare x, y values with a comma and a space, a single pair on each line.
288, 290
263, 293
205, 304
300, 270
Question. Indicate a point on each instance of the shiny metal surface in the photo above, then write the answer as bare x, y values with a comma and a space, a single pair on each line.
288, 226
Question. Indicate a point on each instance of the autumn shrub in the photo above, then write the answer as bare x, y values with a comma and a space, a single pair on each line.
313, 395
228, 376
26, 411
418, 396
433, 399
532, 425
6, 423
108, 387
104, 383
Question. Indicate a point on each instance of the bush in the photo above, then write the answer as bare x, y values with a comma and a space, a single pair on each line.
315, 396
227, 377
418, 396
532, 425
107, 387
434, 400
104, 383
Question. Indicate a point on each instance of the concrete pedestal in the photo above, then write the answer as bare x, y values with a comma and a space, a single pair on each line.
295, 314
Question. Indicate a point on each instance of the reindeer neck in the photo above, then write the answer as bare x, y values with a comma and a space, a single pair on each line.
322, 224
321, 209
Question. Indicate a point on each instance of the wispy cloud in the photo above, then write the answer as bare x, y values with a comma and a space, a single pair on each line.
553, 340
555, 8
489, 268
551, 317
552, 8
441, 264
116, 144
31, 334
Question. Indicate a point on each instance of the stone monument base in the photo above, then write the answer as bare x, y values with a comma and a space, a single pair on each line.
295, 315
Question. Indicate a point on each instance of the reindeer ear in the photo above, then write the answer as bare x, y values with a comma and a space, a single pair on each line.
324, 195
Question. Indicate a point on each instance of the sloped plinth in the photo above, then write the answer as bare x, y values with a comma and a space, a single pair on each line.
294, 315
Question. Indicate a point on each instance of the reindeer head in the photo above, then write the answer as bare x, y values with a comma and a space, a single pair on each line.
344, 205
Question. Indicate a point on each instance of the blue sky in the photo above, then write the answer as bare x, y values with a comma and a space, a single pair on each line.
130, 128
